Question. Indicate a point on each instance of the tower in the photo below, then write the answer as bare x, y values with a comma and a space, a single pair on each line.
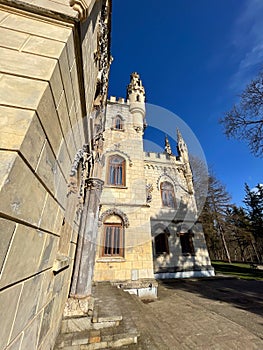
147, 222
136, 97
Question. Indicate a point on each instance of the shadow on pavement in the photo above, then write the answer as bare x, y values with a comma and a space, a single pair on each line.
243, 294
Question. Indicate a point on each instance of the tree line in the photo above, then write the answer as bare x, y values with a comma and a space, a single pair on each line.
234, 233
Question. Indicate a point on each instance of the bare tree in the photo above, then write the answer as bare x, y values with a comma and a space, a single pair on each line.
200, 181
245, 120
214, 213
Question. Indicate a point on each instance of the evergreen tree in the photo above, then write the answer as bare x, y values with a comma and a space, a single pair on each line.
254, 205
241, 242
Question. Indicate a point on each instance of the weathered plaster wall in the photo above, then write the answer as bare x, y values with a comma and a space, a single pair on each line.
41, 129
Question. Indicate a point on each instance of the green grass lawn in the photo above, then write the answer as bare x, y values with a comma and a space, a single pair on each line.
239, 270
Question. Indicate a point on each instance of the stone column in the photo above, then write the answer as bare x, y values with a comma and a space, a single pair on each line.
87, 240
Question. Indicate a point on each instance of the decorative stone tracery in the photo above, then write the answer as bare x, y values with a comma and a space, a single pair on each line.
117, 151
114, 211
102, 58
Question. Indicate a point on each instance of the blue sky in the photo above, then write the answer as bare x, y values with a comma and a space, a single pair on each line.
194, 58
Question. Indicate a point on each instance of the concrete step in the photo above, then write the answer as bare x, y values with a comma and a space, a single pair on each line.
105, 329
113, 337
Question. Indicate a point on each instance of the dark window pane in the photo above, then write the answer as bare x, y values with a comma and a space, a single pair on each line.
113, 240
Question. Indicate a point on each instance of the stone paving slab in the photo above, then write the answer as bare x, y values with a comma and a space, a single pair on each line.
202, 314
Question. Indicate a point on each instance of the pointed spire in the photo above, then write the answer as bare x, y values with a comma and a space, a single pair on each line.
135, 90
167, 147
181, 145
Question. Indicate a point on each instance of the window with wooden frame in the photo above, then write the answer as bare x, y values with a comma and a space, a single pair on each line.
167, 194
118, 123
161, 244
116, 171
186, 240
113, 240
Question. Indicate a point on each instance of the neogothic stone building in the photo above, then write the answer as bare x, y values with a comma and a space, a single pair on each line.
55, 59
148, 224
58, 233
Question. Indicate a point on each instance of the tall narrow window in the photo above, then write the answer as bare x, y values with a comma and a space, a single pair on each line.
161, 244
167, 193
116, 171
113, 240
187, 245
117, 123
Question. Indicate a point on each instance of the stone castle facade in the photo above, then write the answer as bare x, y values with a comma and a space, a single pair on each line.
55, 59
148, 224
80, 201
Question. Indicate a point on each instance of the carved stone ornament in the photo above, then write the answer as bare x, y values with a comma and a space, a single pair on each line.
94, 184
114, 211
138, 129
98, 148
82, 163
117, 151
149, 189
102, 58
82, 7
163, 177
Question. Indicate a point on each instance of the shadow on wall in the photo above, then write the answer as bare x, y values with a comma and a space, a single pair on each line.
179, 245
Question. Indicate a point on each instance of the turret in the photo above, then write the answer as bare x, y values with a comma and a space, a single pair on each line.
184, 157
136, 96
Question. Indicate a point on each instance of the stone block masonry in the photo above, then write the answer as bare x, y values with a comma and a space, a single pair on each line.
44, 105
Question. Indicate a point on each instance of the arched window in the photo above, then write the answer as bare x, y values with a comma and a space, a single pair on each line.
161, 243
116, 171
186, 240
113, 242
167, 193
118, 123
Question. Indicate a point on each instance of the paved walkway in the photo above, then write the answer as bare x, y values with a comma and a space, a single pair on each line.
214, 314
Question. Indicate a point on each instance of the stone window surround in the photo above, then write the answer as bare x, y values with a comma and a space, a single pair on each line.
123, 172
172, 192
112, 236
114, 120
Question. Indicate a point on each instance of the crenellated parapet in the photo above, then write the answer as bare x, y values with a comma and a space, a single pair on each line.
121, 100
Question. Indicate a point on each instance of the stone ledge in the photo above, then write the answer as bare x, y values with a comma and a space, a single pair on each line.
45, 8
60, 263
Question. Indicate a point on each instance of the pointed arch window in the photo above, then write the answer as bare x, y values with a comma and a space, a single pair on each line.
113, 237
167, 194
118, 123
116, 171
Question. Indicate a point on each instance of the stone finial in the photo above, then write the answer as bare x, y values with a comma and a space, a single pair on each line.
167, 147
181, 145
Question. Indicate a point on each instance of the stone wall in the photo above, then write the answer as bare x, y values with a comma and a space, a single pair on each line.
45, 98
129, 201
163, 167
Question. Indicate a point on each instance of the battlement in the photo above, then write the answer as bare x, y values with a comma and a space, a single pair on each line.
120, 100
158, 156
